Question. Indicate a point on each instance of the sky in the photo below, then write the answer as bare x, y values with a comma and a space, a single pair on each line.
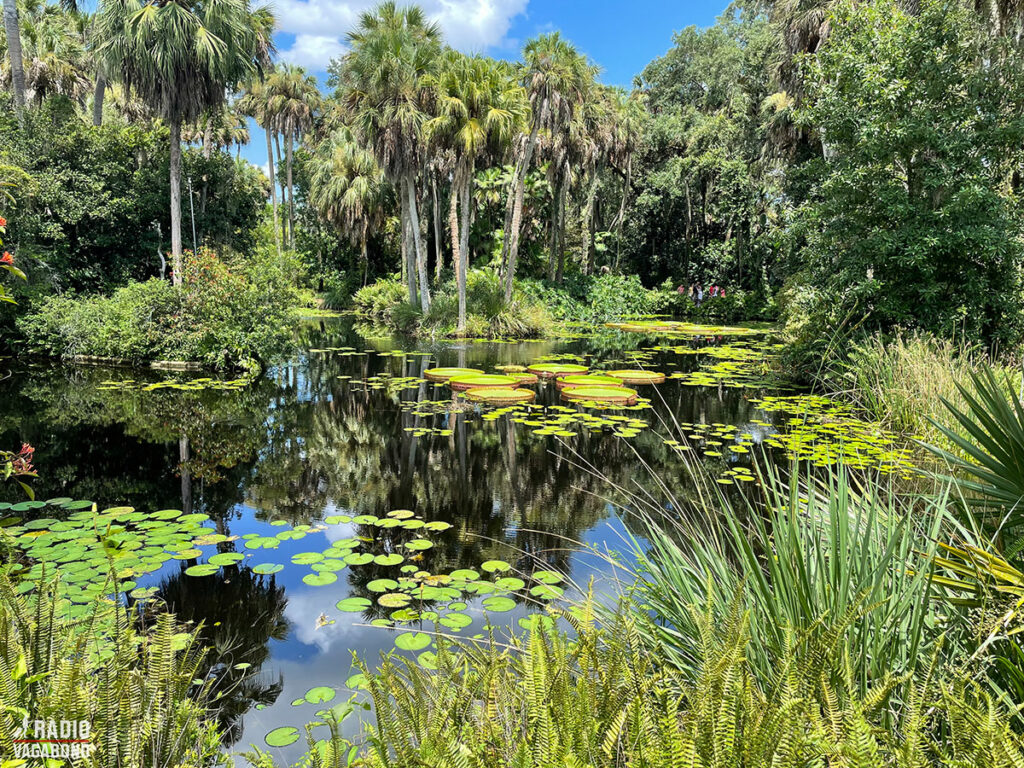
620, 36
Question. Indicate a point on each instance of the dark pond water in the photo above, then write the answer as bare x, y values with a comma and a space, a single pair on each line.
303, 443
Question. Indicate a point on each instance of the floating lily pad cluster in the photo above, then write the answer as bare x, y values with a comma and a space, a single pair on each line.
564, 421
677, 328
92, 548
823, 432
190, 385
723, 441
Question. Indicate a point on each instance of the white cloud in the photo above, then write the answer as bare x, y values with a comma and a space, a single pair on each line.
320, 26
314, 52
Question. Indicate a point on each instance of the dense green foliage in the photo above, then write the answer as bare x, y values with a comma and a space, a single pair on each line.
92, 213
221, 316
136, 689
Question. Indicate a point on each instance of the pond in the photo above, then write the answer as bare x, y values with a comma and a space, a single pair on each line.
348, 482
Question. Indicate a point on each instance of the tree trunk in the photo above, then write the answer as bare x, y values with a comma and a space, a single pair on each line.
561, 233
510, 248
284, 189
556, 200
438, 251
467, 219
289, 140
176, 261
365, 256
587, 253
421, 262
453, 228
273, 190
408, 265
14, 54
97, 99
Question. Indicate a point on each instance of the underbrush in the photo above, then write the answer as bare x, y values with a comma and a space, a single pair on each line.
223, 315
138, 691
488, 315
903, 381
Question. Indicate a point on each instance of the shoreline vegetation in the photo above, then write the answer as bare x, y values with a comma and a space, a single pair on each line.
849, 173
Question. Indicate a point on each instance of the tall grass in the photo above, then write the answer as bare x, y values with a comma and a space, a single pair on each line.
816, 548
903, 381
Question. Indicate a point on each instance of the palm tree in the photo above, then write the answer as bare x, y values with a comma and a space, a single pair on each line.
293, 98
254, 104
393, 50
181, 57
479, 106
557, 79
348, 188
12, 28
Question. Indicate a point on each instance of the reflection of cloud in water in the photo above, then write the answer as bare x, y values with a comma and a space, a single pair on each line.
305, 607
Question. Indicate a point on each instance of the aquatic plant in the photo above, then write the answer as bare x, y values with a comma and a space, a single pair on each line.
593, 394
443, 374
500, 395
634, 377
476, 381
552, 370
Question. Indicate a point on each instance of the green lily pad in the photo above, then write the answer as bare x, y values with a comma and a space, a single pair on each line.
499, 604
202, 570
495, 566
412, 641
282, 737
353, 604
265, 569
321, 579
321, 694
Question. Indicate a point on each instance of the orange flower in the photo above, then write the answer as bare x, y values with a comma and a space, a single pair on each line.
6, 258
3, 221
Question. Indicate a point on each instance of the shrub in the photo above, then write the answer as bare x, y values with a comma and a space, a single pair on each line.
137, 690
221, 316
379, 300
595, 299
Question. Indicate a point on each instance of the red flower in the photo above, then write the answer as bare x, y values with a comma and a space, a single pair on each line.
7, 258
22, 463
3, 221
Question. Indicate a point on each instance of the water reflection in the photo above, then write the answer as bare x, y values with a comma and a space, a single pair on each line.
302, 443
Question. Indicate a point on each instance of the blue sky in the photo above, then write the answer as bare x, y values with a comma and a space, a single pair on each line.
620, 36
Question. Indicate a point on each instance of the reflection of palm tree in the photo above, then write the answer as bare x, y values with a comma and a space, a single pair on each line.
238, 613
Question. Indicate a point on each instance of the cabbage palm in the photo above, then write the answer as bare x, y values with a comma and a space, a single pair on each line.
557, 79
348, 188
292, 98
478, 105
181, 57
393, 51
12, 28
254, 104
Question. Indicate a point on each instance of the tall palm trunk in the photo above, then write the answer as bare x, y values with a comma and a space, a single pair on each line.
421, 262
14, 54
175, 164
284, 188
564, 194
408, 253
510, 248
587, 231
453, 227
291, 187
273, 190
556, 201
438, 251
467, 218
97, 99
